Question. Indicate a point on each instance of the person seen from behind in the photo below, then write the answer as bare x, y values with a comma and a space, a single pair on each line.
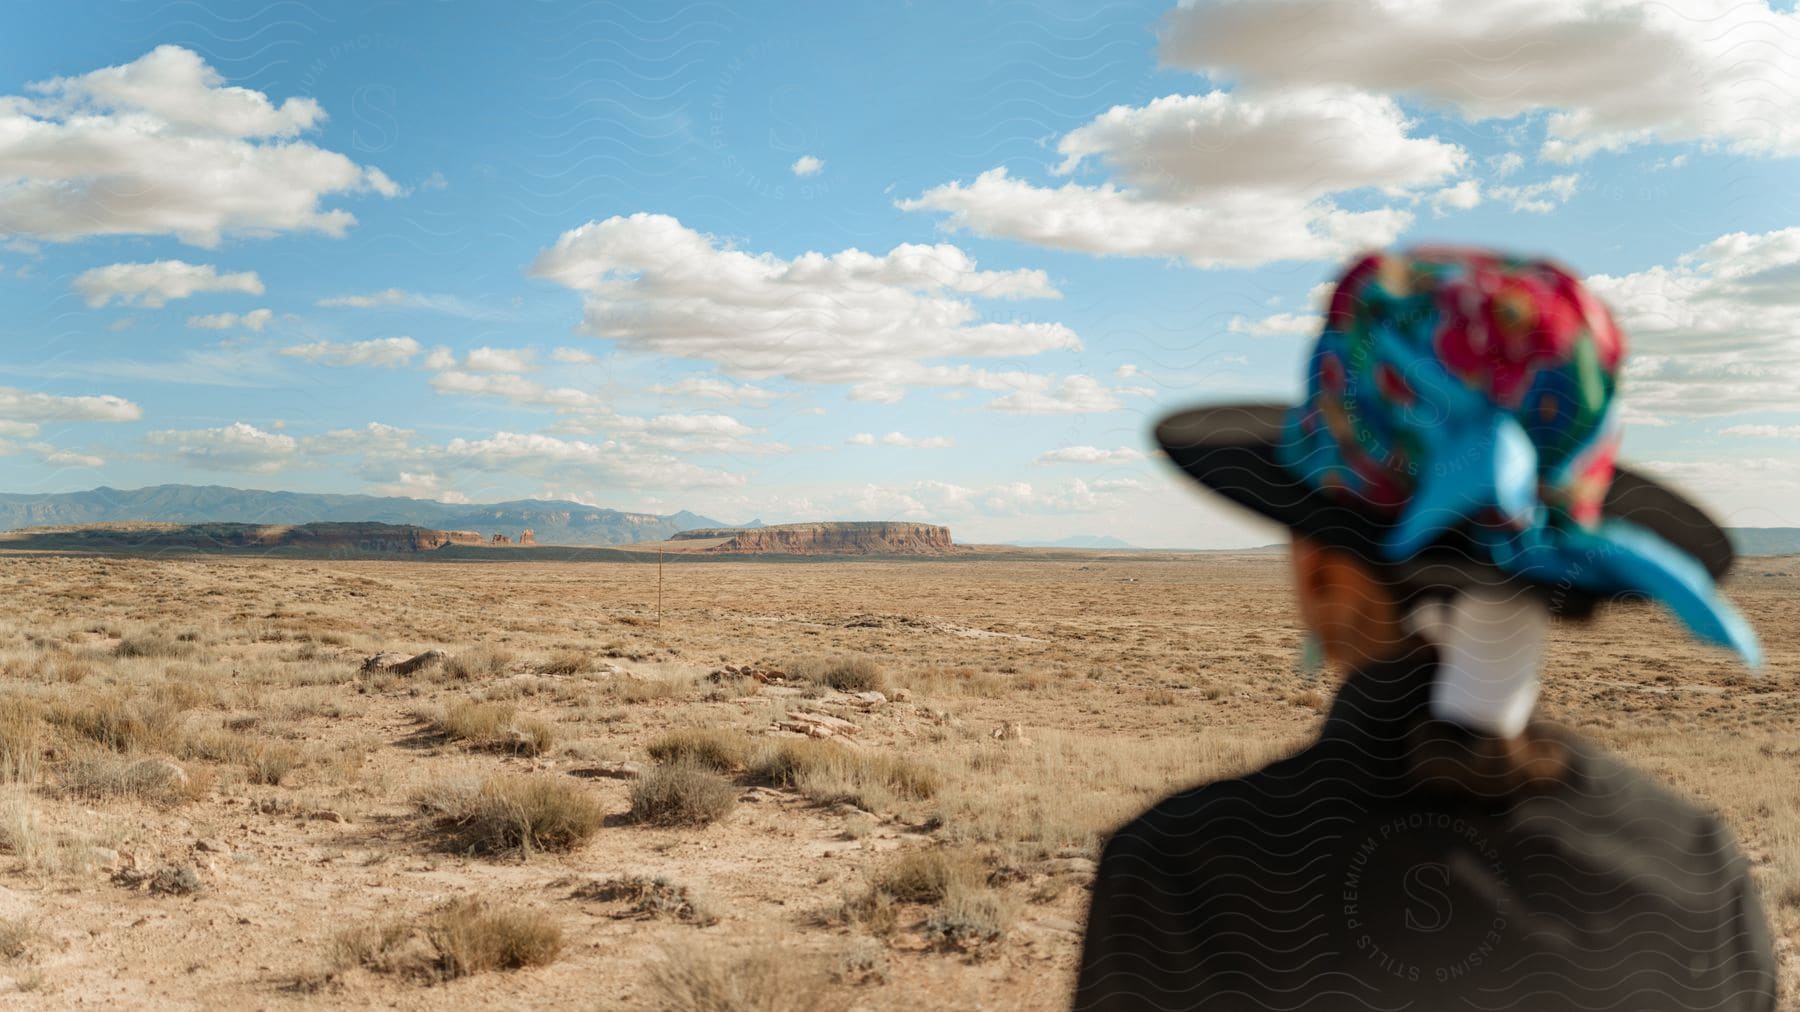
1450, 485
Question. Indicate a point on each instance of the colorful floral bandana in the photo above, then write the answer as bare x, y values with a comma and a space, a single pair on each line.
1464, 389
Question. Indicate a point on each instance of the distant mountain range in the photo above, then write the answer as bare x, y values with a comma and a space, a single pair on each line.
1765, 540
553, 522
1078, 541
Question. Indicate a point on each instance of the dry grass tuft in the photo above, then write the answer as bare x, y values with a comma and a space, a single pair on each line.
697, 977
846, 674
21, 741
654, 898
495, 726
102, 775
829, 773
517, 813
463, 937
682, 794
566, 662
715, 748
152, 645
471, 936
16, 936
477, 664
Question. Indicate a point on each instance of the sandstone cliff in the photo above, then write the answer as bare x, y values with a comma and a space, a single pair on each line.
840, 538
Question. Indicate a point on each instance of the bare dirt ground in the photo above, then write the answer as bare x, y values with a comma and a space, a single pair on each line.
205, 802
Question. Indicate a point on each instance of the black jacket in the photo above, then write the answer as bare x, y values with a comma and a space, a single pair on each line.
1333, 880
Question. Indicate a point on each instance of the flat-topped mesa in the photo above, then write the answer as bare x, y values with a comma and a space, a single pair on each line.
873, 537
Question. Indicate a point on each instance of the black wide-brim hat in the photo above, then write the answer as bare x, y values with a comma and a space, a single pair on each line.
1233, 450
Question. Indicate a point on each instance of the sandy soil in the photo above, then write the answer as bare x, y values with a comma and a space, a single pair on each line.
1125, 680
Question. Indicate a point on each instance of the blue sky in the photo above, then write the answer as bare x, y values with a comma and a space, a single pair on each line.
933, 261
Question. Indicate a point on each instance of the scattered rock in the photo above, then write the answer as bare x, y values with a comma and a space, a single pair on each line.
1071, 866
402, 664
211, 845
326, 815
867, 700
622, 770
105, 857
817, 725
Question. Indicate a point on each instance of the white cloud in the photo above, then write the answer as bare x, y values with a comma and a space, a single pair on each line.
1461, 197
440, 358
570, 356
380, 352
918, 442
513, 360
862, 439
1540, 197
1612, 73
26, 406
1221, 180
1717, 331
514, 452
653, 285
1278, 324
1075, 394
1091, 455
807, 165
1763, 431
255, 319
152, 284
398, 298
161, 146
239, 446
67, 458
17, 430
708, 388
1506, 164
419, 485
585, 413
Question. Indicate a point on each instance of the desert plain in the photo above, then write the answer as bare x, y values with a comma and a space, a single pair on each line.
800, 785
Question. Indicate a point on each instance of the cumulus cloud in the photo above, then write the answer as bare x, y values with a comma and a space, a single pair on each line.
653, 285
380, 352
1091, 455
255, 319
239, 446
1221, 180
419, 485
67, 458
1610, 73
1715, 332
1461, 197
584, 413
918, 442
1074, 394
807, 165
862, 439
29, 407
162, 146
707, 388
572, 356
398, 298
152, 284
513, 360
1540, 197
1762, 431
1278, 325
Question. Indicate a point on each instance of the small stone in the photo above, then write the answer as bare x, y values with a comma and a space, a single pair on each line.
210, 845
326, 815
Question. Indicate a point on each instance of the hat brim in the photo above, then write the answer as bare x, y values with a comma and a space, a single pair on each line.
1231, 449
